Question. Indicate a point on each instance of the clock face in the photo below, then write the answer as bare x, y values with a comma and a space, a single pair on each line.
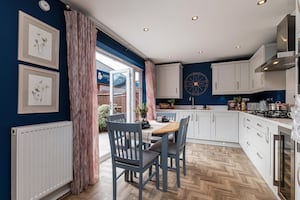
196, 83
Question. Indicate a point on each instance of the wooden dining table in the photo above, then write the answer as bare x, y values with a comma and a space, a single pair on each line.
163, 130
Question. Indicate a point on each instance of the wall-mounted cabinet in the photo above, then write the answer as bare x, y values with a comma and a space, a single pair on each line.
169, 81
240, 77
230, 77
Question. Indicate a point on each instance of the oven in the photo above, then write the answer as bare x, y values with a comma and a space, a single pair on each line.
283, 161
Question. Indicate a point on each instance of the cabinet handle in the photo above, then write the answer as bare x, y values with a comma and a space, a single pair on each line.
247, 143
238, 85
176, 90
248, 120
259, 135
275, 138
248, 128
258, 155
213, 118
267, 136
298, 174
259, 125
216, 85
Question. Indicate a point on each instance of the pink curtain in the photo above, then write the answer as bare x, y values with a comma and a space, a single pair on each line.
150, 88
81, 48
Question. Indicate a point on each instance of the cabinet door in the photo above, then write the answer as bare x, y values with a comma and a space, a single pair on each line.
242, 77
224, 79
191, 126
225, 127
202, 125
169, 81
242, 130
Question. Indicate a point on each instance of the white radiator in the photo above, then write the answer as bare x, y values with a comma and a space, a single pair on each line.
41, 159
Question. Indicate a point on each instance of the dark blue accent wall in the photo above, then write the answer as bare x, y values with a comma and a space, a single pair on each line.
209, 99
110, 45
9, 77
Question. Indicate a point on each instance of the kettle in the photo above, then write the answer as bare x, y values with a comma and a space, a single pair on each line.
263, 105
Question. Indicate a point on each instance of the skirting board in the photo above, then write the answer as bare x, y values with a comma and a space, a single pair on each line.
226, 144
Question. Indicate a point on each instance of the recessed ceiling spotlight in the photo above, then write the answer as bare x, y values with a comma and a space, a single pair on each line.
275, 62
266, 68
146, 29
200, 52
237, 46
261, 2
194, 18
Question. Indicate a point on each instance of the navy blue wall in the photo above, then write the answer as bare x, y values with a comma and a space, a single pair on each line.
209, 99
108, 44
9, 77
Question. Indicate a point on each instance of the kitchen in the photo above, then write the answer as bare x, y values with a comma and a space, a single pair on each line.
202, 85
212, 85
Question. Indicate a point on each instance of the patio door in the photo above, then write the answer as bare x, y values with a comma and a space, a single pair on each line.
122, 91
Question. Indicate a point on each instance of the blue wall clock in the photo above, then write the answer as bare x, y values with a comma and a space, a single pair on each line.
196, 83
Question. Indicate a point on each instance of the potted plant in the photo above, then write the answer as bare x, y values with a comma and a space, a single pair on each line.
171, 102
142, 110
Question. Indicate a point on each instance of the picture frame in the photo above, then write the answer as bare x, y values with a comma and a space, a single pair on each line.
38, 42
38, 90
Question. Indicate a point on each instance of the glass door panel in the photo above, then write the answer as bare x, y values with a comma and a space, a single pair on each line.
121, 93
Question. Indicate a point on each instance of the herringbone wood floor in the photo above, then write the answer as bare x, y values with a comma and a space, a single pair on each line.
213, 173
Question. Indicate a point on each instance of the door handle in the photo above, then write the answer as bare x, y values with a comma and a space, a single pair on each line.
259, 155
259, 135
276, 138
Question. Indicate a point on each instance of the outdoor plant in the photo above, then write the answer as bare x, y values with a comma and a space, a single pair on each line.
103, 112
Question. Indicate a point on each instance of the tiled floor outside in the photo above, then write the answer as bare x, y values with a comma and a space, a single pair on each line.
104, 146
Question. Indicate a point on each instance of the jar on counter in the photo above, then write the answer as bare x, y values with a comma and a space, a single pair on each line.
243, 106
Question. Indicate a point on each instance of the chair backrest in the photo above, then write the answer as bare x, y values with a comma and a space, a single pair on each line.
117, 118
169, 115
126, 142
182, 132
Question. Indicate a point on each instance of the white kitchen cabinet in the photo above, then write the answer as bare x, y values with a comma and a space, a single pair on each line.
230, 77
203, 125
169, 81
223, 78
225, 127
242, 77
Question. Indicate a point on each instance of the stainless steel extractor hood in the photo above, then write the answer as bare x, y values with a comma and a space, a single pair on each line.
285, 57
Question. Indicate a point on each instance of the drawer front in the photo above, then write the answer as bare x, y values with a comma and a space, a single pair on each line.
258, 138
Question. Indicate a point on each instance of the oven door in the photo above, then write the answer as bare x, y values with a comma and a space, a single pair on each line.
286, 165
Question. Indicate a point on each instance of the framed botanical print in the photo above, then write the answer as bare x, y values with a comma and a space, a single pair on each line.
38, 90
38, 42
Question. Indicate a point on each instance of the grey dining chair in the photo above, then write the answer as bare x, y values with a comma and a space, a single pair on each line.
128, 154
175, 150
117, 118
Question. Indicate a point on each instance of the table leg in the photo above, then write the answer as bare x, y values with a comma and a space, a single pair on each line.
164, 161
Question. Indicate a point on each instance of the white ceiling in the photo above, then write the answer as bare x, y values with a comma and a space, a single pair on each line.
173, 36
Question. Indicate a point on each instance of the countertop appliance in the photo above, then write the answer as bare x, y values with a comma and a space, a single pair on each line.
283, 164
285, 57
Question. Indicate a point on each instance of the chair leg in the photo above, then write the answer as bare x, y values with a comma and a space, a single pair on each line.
150, 171
178, 170
157, 174
114, 183
141, 186
171, 162
183, 160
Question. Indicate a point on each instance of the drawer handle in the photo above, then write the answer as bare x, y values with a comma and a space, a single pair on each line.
248, 143
259, 125
298, 174
248, 120
259, 155
248, 128
259, 135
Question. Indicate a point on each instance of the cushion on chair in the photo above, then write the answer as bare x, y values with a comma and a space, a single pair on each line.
171, 147
149, 156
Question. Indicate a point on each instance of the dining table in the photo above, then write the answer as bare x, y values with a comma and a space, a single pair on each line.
162, 129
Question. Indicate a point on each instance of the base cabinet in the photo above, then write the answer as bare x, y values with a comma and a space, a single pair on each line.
225, 127
256, 139
211, 125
